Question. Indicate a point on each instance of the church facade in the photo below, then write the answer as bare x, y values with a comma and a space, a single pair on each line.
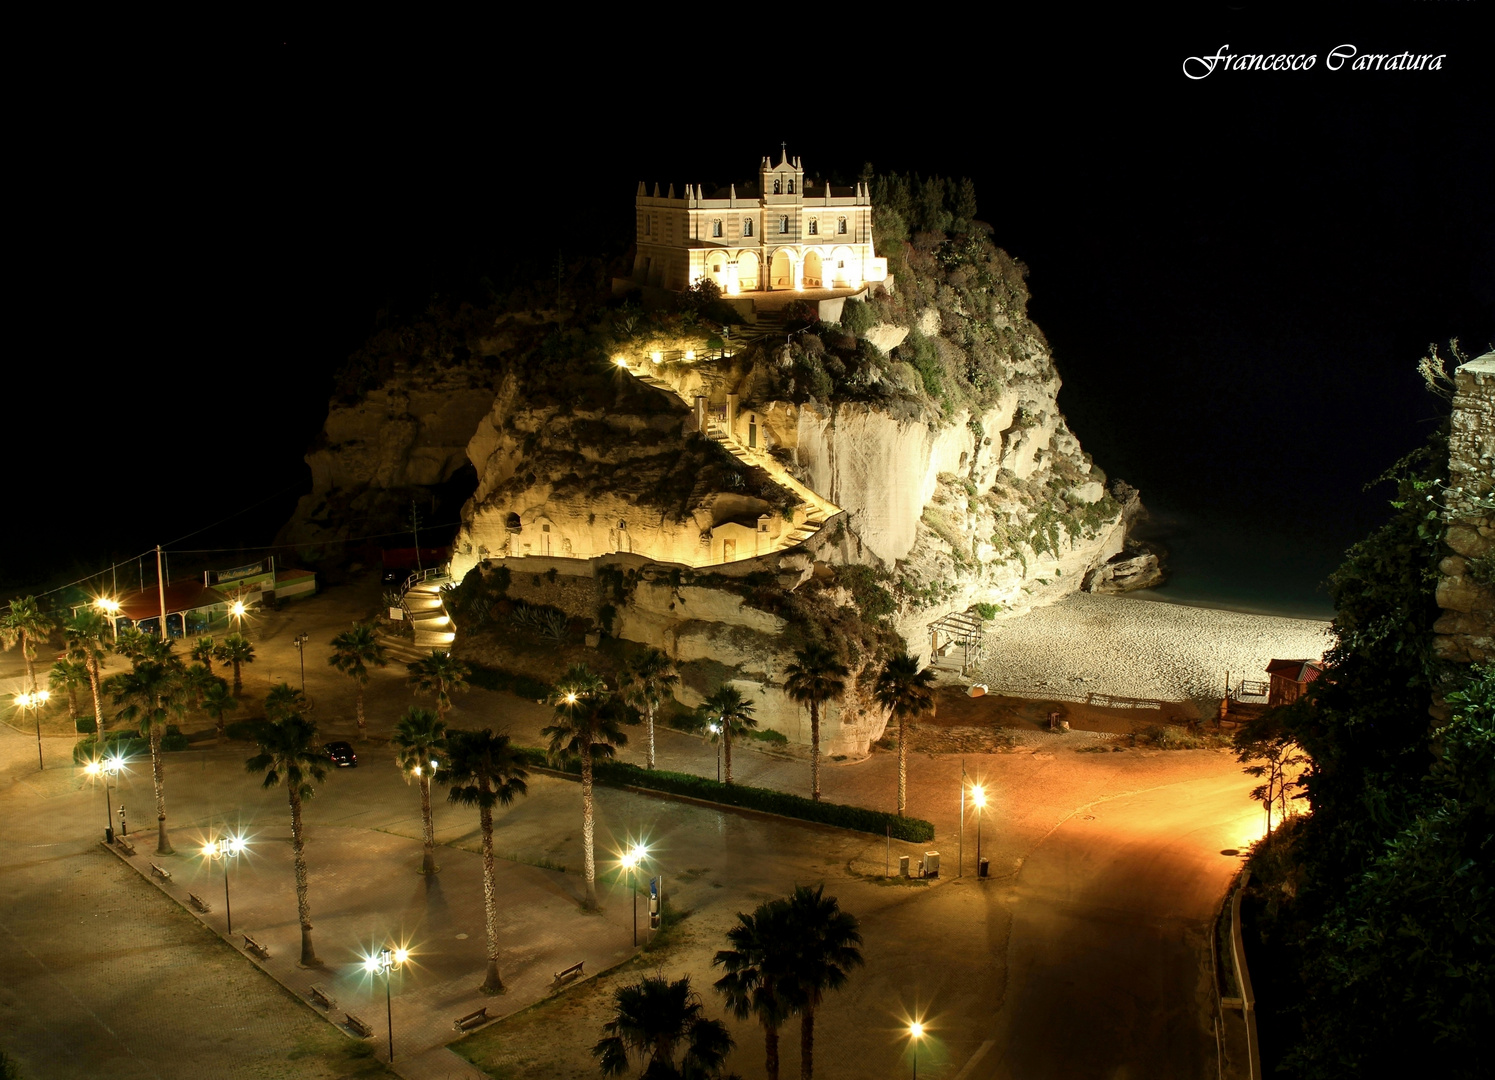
792, 233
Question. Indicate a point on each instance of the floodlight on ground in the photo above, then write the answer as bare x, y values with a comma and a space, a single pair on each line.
657, 357
570, 699
621, 361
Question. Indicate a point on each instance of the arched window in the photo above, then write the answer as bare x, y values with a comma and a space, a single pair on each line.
622, 526
747, 226
777, 183
814, 226
716, 227
783, 223
791, 187
841, 225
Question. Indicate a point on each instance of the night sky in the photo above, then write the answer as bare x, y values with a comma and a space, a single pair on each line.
1237, 273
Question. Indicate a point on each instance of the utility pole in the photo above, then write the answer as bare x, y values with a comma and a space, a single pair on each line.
161, 589
415, 530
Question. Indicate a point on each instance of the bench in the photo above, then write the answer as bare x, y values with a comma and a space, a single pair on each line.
359, 1026
199, 903
161, 872
250, 945
124, 845
471, 1020
570, 972
323, 998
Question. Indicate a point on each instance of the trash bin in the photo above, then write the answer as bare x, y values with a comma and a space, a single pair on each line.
903, 866
109, 835
981, 867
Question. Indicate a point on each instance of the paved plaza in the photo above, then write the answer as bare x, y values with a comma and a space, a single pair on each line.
1106, 870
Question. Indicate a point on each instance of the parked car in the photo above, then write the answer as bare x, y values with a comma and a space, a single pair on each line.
341, 754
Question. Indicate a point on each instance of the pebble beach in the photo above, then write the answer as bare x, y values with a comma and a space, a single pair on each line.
1089, 644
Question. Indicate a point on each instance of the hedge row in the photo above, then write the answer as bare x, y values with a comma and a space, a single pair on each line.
128, 744
492, 678
622, 774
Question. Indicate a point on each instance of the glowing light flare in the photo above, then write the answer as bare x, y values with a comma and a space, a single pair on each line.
916, 1030
621, 361
570, 699
657, 357
107, 604
237, 609
978, 796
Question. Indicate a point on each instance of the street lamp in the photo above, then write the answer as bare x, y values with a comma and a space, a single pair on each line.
110, 607
630, 860
384, 964
225, 849
716, 729
915, 1033
106, 767
300, 641
35, 701
238, 611
978, 797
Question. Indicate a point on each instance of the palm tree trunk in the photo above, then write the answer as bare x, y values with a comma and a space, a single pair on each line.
589, 859
303, 904
30, 654
360, 720
727, 747
98, 706
427, 829
492, 982
771, 1051
807, 1043
814, 750
650, 716
163, 845
72, 705
238, 680
902, 766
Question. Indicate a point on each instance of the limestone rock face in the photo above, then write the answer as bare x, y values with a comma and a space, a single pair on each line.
1466, 590
1125, 571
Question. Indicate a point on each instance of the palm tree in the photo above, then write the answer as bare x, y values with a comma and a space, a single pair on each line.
235, 651
352, 653
440, 674
196, 680
733, 713
86, 633
906, 693
217, 700
823, 940
25, 625
65, 677
759, 979
151, 695
204, 651
289, 754
645, 684
653, 1019
419, 736
816, 676
585, 727
484, 771
133, 643
284, 700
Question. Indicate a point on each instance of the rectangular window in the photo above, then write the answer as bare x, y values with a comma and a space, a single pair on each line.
840, 225
747, 226
716, 227
783, 224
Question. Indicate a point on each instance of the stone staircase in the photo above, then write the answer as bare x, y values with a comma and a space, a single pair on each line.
425, 611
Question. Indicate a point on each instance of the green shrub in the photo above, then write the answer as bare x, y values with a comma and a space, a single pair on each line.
857, 317
243, 730
769, 735
509, 682
85, 725
126, 744
988, 612
622, 774
173, 740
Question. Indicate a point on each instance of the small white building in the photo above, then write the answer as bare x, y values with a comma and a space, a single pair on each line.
787, 231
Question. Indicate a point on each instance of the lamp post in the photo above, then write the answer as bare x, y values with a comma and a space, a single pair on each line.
300, 641
716, 729
34, 702
225, 849
978, 797
915, 1033
110, 607
237, 610
630, 860
384, 964
106, 767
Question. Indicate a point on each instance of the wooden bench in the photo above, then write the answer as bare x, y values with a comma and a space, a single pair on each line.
161, 872
199, 903
124, 845
471, 1020
323, 998
570, 972
250, 945
359, 1026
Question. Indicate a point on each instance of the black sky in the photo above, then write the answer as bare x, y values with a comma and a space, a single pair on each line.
1237, 274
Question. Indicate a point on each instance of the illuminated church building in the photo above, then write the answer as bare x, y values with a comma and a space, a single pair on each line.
792, 233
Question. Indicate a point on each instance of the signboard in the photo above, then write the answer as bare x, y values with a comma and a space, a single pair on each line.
238, 573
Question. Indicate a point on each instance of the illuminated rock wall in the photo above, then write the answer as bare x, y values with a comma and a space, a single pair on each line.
1466, 589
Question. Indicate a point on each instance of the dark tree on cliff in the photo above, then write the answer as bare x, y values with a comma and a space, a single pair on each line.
815, 677
289, 755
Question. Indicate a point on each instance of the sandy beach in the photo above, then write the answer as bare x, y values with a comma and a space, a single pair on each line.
1138, 648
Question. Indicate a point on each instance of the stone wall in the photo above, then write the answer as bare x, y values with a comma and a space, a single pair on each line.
1466, 590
